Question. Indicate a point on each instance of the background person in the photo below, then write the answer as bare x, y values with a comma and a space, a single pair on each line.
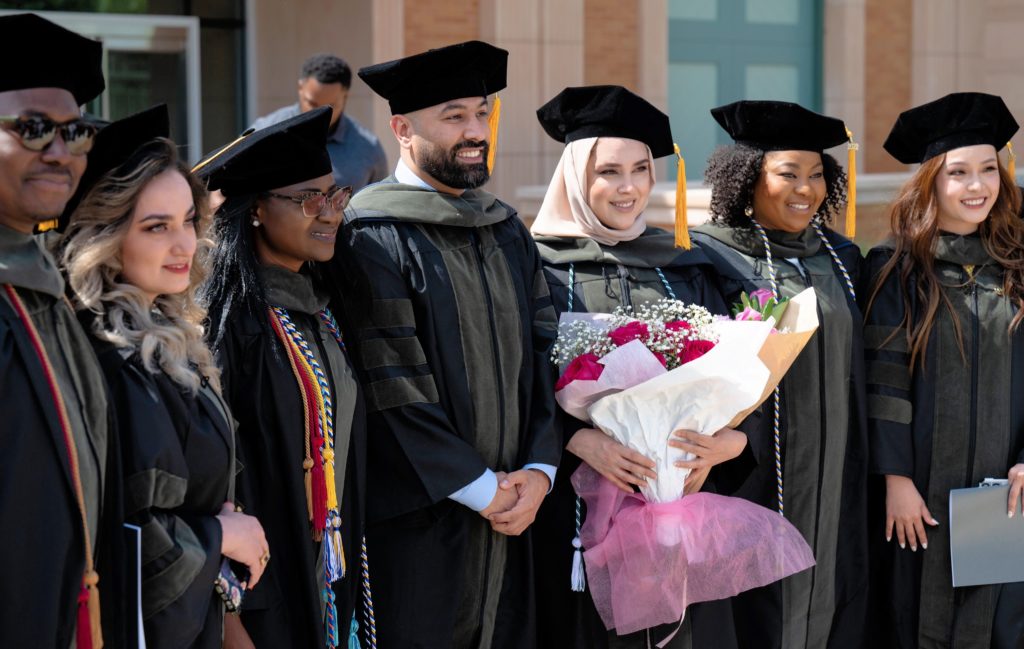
357, 157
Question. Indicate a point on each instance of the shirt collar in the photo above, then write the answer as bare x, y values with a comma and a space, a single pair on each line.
407, 176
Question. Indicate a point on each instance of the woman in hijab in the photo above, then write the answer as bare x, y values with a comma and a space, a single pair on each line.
600, 254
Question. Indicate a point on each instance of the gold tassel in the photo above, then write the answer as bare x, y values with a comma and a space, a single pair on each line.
492, 122
682, 227
307, 469
92, 580
1011, 165
46, 226
851, 186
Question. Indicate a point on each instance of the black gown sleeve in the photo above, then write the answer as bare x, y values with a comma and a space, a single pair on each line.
889, 404
407, 423
180, 550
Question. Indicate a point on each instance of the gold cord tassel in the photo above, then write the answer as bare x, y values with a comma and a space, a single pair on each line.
492, 122
92, 580
682, 228
1011, 164
851, 186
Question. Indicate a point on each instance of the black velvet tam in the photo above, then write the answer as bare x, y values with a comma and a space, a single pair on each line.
606, 111
779, 126
40, 54
470, 69
276, 156
114, 145
957, 120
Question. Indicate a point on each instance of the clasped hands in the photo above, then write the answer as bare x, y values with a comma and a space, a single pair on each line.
516, 501
625, 467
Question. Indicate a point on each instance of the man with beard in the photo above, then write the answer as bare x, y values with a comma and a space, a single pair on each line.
442, 289
58, 462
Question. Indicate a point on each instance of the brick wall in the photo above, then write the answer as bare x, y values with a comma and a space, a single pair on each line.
610, 51
433, 23
887, 77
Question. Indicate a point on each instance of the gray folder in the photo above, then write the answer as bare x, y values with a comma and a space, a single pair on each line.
985, 546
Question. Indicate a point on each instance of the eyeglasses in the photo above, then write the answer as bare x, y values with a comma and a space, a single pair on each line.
314, 203
37, 132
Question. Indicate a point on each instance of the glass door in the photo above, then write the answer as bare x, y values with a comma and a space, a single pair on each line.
722, 51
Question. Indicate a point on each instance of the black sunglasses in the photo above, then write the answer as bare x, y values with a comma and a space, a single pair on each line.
37, 132
314, 203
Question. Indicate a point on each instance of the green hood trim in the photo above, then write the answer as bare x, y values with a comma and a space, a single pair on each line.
963, 250
784, 245
654, 248
391, 199
291, 291
25, 264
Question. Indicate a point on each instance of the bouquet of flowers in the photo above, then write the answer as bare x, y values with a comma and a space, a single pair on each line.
639, 376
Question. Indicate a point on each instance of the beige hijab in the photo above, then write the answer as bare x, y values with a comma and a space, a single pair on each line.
565, 212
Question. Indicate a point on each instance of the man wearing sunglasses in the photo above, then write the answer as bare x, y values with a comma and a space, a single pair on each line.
55, 459
453, 323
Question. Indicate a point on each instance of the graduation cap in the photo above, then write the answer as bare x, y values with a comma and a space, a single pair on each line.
41, 54
606, 111
114, 145
280, 154
785, 126
470, 69
957, 120
613, 111
779, 126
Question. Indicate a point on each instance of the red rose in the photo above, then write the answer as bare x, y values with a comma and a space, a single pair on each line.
661, 359
584, 367
627, 333
677, 325
695, 349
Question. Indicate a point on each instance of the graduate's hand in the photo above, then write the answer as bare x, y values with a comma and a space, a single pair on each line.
1016, 476
620, 464
695, 480
235, 635
906, 511
243, 540
503, 500
710, 450
530, 486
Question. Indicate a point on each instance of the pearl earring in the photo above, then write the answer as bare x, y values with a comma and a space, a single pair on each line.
749, 211
255, 222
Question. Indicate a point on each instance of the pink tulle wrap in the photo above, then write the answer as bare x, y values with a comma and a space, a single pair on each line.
646, 562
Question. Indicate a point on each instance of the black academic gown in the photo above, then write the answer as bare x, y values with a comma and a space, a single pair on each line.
42, 553
286, 607
606, 277
453, 321
823, 441
947, 425
178, 451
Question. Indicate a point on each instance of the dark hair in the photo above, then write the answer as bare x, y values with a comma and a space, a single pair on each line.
915, 226
327, 68
233, 282
733, 171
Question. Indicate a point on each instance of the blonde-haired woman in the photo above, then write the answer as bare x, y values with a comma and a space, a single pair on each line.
133, 255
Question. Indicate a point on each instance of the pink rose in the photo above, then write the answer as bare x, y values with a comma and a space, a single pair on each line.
748, 314
762, 295
677, 325
694, 350
584, 368
628, 333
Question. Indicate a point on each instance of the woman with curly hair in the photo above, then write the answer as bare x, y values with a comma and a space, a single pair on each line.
945, 354
599, 254
773, 193
288, 377
134, 257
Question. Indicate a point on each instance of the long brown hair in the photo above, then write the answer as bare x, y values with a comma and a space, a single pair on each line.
915, 227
